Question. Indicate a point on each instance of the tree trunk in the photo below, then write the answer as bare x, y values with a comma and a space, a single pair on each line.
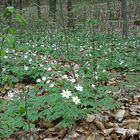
52, 11
20, 6
8, 3
109, 9
124, 17
108, 14
9, 20
39, 9
70, 22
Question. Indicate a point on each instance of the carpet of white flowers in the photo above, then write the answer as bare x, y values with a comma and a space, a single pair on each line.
42, 79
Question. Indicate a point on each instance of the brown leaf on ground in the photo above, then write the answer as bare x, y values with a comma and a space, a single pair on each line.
120, 114
82, 130
55, 138
90, 118
99, 124
137, 98
135, 108
114, 136
131, 123
121, 131
132, 132
62, 133
107, 132
95, 136
92, 137
45, 123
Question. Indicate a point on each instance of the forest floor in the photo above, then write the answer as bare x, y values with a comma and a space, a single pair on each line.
41, 62
117, 124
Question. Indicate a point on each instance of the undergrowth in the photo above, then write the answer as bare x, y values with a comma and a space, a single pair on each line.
54, 92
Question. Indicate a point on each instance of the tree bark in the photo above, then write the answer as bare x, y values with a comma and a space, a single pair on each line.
108, 14
9, 20
108, 9
124, 17
20, 6
8, 3
70, 22
39, 8
52, 11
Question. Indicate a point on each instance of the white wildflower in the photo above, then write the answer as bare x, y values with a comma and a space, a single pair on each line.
76, 100
96, 77
76, 67
73, 80
77, 75
93, 86
109, 50
5, 57
13, 51
3, 69
104, 70
34, 54
25, 56
66, 93
64, 76
7, 51
26, 68
44, 58
98, 66
52, 85
11, 94
44, 78
30, 60
90, 54
38, 80
121, 62
79, 87
48, 81
49, 69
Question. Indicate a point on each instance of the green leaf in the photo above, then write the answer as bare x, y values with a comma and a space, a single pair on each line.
12, 31
10, 83
8, 12
2, 52
22, 109
20, 19
94, 21
10, 40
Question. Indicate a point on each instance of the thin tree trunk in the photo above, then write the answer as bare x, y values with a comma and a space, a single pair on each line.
39, 9
70, 22
124, 17
108, 14
20, 6
109, 9
52, 11
9, 3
